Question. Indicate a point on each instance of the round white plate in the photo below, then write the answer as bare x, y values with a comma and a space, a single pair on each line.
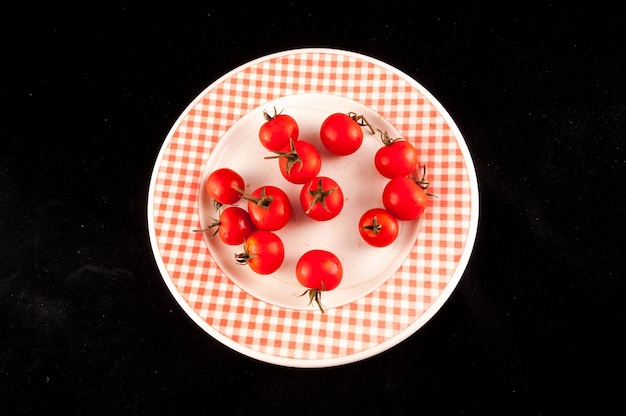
387, 293
365, 267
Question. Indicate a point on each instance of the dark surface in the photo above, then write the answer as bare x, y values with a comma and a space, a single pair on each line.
88, 95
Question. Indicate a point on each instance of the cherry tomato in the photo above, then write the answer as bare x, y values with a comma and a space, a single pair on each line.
321, 198
396, 158
404, 198
378, 227
299, 161
277, 130
234, 225
224, 186
319, 271
269, 208
341, 134
264, 252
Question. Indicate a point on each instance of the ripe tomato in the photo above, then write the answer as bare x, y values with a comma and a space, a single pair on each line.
299, 161
378, 227
396, 158
321, 198
224, 186
269, 208
404, 198
264, 252
341, 134
277, 130
319, 271
234, 225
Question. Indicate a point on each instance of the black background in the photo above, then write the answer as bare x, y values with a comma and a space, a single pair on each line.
88, 95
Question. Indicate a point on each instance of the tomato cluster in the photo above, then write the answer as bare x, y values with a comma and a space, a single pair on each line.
321, 198
404, 196
268, 210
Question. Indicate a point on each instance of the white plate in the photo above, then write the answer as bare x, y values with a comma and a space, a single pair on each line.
388, 294
365, 267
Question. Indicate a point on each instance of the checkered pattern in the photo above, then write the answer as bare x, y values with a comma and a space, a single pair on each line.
344, 334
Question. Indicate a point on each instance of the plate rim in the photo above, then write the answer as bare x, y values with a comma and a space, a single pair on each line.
407, 331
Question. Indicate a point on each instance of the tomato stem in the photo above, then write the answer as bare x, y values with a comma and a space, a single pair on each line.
215, 223
384, 136
268, 117
375, 228
319, 195
361, 121
245, 257
292, 157
424, 183
217, 205
242, 258
315, 295
263, 201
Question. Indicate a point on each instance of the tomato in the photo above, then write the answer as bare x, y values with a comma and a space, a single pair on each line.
299, 161
269, 208
378, 227
234, 225
321, 198
319, 271
277, 130
224, 186
264, 252
396, 158
341, 133
404, 198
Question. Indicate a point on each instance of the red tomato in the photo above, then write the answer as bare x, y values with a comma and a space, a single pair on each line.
224, 186
269, 208
321, 198
404, 198
319, 271
341, 134
234, 225
378, 227
277, 130
396, 158
299, 161
264, 252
